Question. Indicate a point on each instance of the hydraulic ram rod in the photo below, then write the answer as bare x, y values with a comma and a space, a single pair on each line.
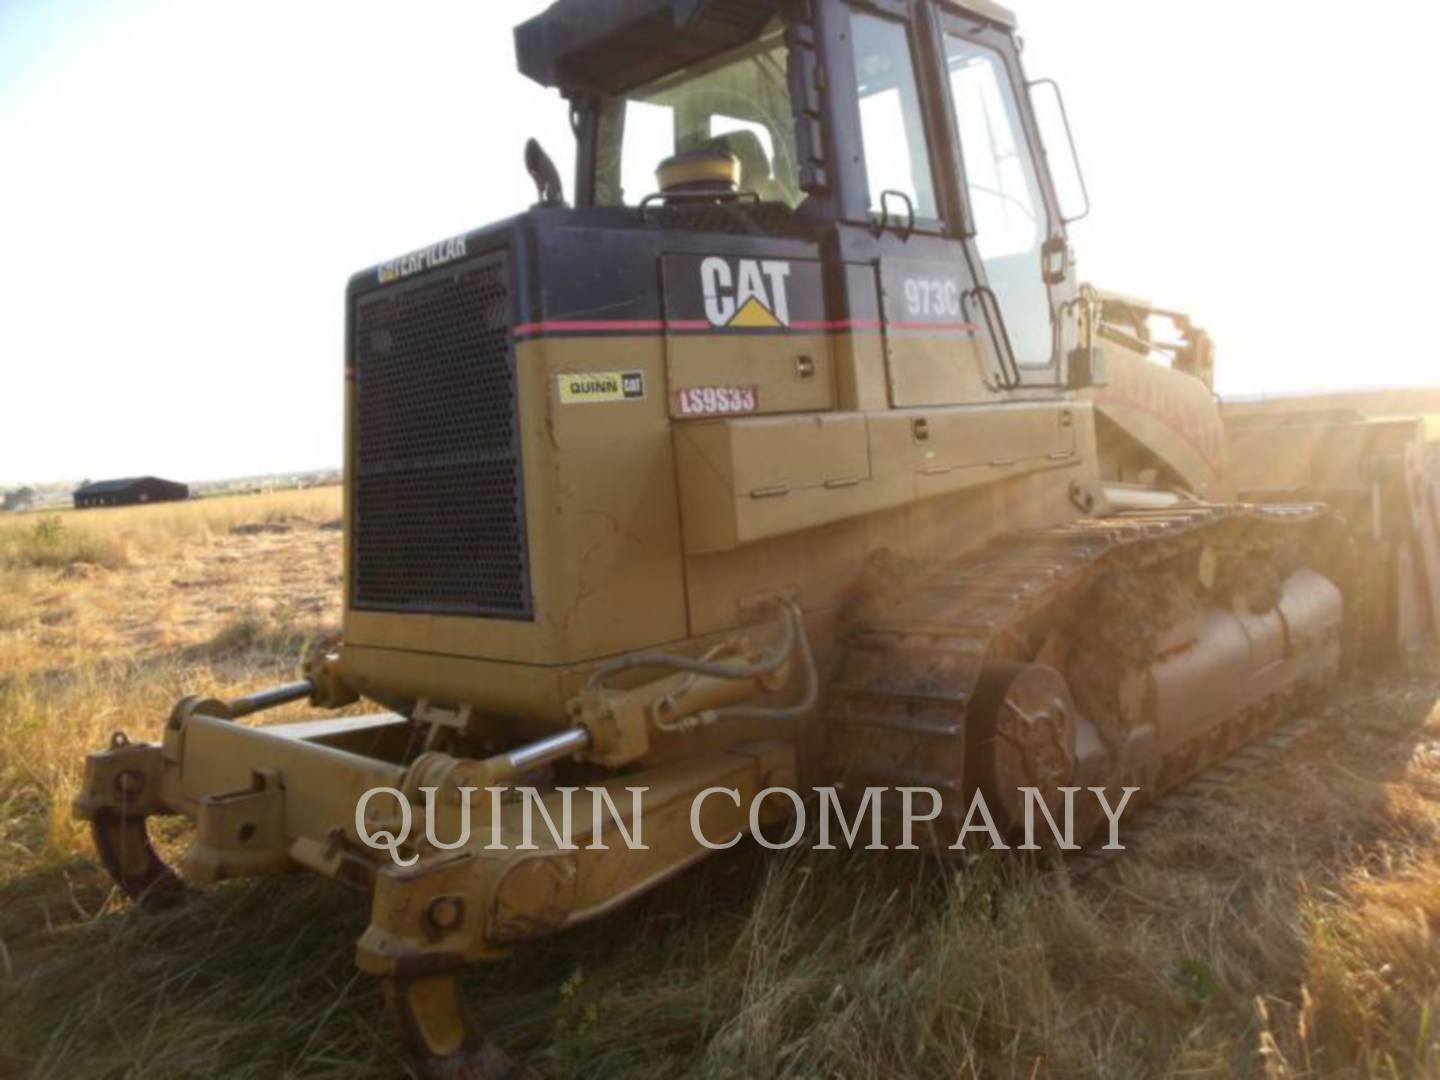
269, 699
544, 751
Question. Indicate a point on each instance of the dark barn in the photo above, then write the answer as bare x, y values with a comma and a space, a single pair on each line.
132, 492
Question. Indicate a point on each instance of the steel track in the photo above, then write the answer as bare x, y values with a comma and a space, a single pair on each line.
1265, 751
896, 713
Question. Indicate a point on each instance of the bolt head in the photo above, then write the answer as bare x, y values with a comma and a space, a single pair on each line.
445, 913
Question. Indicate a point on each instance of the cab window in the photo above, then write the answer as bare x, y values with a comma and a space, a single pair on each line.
892, 127
738, 102
1003, 193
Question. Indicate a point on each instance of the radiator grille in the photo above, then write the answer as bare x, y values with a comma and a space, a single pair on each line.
438, 523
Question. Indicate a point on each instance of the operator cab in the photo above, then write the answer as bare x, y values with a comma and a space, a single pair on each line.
898, 134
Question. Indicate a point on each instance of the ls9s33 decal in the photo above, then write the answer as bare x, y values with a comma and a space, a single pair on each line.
717, 400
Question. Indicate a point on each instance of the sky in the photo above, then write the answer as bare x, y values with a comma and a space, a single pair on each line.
185, 189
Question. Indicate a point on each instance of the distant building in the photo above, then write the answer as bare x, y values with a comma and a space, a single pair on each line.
131, 492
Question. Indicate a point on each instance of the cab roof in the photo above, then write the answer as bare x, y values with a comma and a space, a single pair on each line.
987, 9
608, 46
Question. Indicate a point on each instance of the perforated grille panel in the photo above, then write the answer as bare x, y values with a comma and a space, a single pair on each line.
438, 522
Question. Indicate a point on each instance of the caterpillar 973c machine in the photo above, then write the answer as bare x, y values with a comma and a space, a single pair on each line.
791, 454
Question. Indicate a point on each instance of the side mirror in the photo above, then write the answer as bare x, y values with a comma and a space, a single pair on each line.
1054, 124
547, 178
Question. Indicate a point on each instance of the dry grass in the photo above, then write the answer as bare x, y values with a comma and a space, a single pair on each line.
107, 615
45, 543
1289, 929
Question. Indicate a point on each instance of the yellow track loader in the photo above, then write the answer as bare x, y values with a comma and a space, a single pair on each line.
789, 454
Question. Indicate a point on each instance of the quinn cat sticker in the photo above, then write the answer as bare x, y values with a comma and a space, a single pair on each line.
595, 386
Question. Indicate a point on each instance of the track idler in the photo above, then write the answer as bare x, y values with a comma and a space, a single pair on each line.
1023, 731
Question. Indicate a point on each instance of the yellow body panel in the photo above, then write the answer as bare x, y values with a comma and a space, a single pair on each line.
1169, 414
602, 519
649, 531
925, 370
790, 372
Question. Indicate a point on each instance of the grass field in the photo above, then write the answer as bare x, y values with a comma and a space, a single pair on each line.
1291, 928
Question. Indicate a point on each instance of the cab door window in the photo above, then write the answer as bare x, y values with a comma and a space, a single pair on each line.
1007, 207
892, 126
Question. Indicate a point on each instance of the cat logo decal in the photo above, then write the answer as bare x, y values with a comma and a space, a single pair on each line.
747, 294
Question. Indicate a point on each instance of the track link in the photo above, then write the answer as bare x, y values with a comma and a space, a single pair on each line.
1262, 753
898, 709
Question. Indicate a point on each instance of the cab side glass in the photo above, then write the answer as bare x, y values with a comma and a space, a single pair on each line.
892, 127
1002, 189
1060, 153
649, 140
1005, 200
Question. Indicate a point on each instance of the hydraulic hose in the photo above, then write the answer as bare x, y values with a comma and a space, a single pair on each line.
794, 639
767, 664
783, 712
